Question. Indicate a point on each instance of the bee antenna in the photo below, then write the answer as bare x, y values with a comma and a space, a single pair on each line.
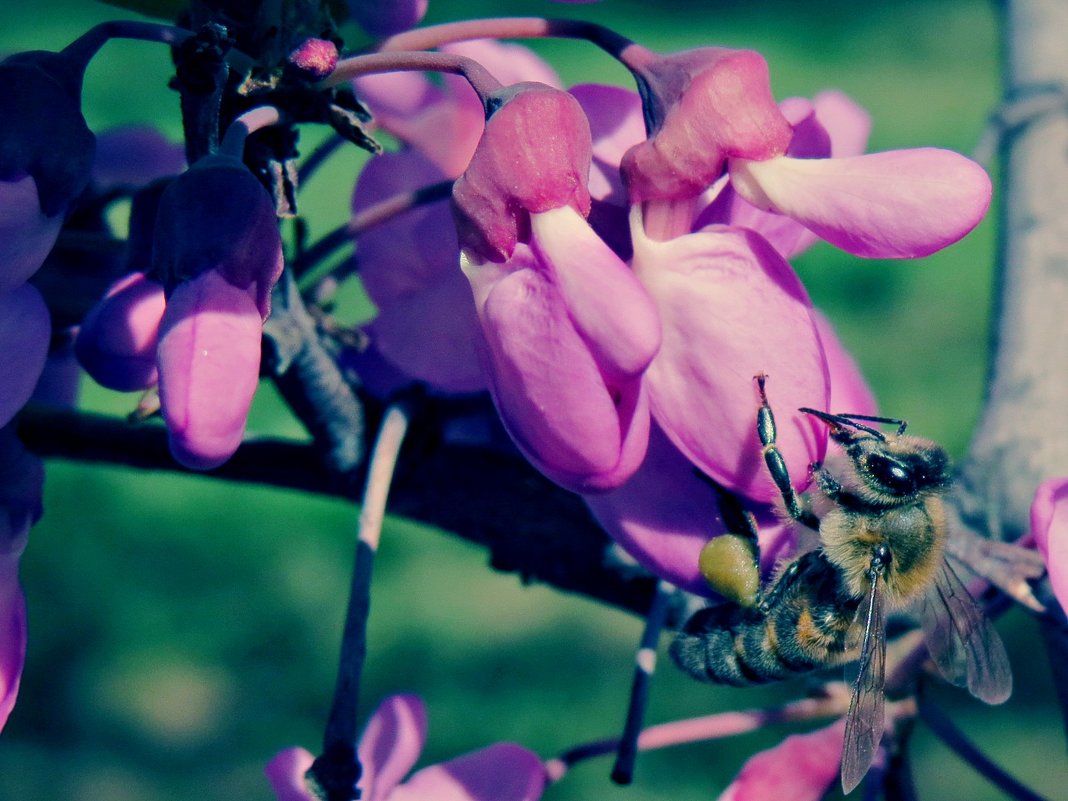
841, 421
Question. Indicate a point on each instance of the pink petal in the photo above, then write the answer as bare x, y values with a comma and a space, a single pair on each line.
1049, 525
501, 772
666, 513
382, 18
850, 393
26, 234
801, 768
118, 339
21, 482
848, 124
286, 772
25, 327
209, 362
899, 204
611, 310
508, 62
732, 308
549, 390
616, 123
390, 744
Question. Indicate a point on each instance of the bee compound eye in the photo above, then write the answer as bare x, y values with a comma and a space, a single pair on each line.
891, 474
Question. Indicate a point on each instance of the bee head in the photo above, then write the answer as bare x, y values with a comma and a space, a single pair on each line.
892, 468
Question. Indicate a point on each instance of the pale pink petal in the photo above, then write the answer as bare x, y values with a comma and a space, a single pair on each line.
549, 389
21, 482
25, 327
666, 513
800, 768
1049, 526
848, 124
850, 393
26, 234
731, 309
390, 744
209, 361
501, 772
898, 204
286, 772
616, 123
611, 310
118, 338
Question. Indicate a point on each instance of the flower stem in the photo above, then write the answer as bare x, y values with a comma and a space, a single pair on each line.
941, 725
337, 770
707, 727
233, 142
626, 51
478, 76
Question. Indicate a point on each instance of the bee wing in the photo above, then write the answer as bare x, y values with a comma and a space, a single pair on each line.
864, 721
962, 642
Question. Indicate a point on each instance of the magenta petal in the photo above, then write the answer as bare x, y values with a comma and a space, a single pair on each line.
209, 363
135, 155
850, 393
549, 390
616, 123
25, 326
609, 307
286, 772
732, 308
848, 124
117, 341
390, 744
387, 17
26, 234
501, 772
801, 768
12, 636
1049, 526
899, 204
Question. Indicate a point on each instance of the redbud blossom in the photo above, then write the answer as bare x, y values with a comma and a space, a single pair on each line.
117, 341
732, 308
1049, 526
802, 768
25, 327
209, 362
46, 153
390, 746
704, 106
21, 482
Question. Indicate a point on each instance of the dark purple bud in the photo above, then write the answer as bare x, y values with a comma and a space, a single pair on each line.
387, 17
702, 107
217, 216
534, 156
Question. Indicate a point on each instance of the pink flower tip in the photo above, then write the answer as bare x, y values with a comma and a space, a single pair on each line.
1049, 526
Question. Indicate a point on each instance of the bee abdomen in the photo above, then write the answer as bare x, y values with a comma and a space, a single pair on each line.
728, 644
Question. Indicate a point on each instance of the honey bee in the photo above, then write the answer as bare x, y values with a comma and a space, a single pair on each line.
878, 512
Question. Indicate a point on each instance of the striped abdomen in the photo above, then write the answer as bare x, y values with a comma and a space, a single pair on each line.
802, 625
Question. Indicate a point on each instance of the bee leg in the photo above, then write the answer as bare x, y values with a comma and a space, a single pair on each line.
730, 562
828, 484
776, 465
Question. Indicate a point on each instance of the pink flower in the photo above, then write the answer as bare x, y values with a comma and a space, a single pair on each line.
390, 746
25, 327
802, 768
21, 482
1049, 525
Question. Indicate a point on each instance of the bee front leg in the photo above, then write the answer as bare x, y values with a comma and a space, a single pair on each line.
775, 462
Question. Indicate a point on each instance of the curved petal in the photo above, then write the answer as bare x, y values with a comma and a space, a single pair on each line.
117, 341
666, 513
848, 124
390, 744
26, 234
548, 388
286, 772
802, 768
25, 327
1049, 525
609, 307
731, 309
899, 204
209, 364
850, 393
501, 772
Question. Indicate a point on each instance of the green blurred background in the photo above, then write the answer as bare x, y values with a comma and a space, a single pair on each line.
183, 630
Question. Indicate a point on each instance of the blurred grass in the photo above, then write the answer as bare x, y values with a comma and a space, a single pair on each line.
182, 631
